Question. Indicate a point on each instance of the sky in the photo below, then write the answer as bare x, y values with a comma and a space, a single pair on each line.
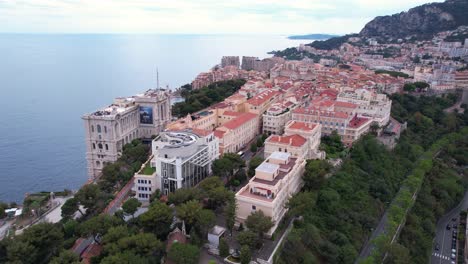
195, 16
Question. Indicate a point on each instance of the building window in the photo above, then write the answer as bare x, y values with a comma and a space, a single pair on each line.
107, 147
105, 129
100, 146
98, 128
94, 146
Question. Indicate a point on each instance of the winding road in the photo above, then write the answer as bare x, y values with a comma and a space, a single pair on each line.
443, 236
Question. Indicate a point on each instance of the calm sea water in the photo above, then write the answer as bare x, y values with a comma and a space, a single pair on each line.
47, 82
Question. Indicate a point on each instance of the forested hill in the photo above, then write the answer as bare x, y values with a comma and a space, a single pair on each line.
422, 22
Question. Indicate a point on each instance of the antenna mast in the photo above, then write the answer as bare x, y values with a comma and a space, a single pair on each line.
157, 78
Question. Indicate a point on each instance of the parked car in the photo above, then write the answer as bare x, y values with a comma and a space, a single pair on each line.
453, 256
454, 251
447, 227
437, 247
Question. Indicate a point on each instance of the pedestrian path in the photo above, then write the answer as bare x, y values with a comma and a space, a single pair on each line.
440, 256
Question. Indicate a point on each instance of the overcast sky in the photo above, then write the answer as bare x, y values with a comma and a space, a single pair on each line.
195, 16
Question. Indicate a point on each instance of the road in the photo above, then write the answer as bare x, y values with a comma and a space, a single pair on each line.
444, 237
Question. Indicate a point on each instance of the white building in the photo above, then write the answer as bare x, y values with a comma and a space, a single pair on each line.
107, 130
183, 158
370, 104
145, 182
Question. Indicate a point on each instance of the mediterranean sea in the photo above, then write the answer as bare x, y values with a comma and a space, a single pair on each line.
47, 82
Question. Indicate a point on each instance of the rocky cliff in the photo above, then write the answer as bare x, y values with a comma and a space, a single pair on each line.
421, 22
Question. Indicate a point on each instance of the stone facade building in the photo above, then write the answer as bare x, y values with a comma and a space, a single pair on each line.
107, 130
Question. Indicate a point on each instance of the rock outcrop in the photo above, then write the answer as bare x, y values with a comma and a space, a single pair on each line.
421, 22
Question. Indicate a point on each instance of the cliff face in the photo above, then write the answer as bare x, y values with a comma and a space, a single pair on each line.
422, 21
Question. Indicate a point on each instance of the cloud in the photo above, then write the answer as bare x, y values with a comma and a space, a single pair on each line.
194, 16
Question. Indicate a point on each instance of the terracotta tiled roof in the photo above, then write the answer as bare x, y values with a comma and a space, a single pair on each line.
301, 126
357, 122
293, 140
201, 132
219, 133
240, 120
231, 113
345, 104
262, 97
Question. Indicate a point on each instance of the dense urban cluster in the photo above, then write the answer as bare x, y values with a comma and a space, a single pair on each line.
289, 159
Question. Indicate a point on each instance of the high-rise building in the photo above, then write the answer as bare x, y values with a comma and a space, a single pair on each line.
230, 61
248, 63
108, 129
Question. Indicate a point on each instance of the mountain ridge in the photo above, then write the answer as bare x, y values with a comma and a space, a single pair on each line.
421, 22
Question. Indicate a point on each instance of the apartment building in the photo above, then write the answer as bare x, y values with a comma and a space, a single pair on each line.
183, 158
311, 132
277, 179
350, 127
370, 104
237, 133
108, 129
276, 117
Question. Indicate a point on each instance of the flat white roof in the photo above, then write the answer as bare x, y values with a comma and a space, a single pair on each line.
280, 155
267, 167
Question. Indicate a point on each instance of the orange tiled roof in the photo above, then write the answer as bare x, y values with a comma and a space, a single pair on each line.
345, 104
262, 97
232, 113
293, 140
301, 125
240, 120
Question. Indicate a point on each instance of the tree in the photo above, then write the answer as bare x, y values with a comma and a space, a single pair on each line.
398, 254
230, 214
300, 203
131, 206
66, 257
37, 244
189, 211
259, 142
225, 166
115, 233
248, 238
253, 164
183, 195
91, 197
205, 220
332, 144
253, 147
245, 255
183, 253
142, 244
157, 219
125, 257
223, 248
70, 207
259, 223
3, 206
374, 128
212, 188
315, 173
99, 225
